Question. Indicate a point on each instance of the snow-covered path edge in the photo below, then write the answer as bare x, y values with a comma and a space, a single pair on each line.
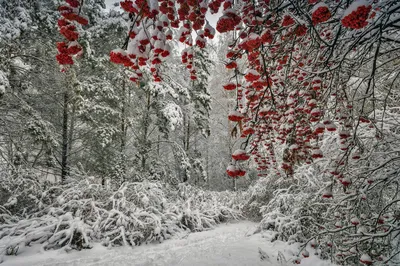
228, 244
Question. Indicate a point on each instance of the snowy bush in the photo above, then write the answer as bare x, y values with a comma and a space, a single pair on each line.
80, 212
21, 193
343, 208
288, 205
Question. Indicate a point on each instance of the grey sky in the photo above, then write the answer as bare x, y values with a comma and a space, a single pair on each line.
110, 3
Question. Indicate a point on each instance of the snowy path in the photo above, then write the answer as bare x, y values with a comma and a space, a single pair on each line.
230, 244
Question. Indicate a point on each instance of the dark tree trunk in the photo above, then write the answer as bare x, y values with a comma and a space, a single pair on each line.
146, 124
71, 127
64, 156
123, 132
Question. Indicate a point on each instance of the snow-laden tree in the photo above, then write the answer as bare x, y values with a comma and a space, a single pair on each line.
40, 103
29, 76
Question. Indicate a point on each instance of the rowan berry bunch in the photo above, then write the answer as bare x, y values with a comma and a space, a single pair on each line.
320, 14
70, 15
357, 19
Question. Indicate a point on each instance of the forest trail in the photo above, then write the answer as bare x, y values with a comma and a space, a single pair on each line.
228, 244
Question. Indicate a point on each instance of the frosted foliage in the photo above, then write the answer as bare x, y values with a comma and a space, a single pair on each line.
296, 208
106, 134
12, 28
4, 83
82, 212
173, 113
20, 65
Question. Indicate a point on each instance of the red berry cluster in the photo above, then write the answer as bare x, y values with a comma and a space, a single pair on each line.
119, 56
301, 30
187, 59
267, 37
234, 171
251, 42
66, 50
209, 31
287, 21
69, 32
215, 5
64, 59
231, 65
227, 4
200, 40
235, 116
148, 47
316, 153
248, 131
228, 21
240, 155
252, 75
70, 13
230, 86
321, 14
72, 48
73, 3
127, 5
358, 18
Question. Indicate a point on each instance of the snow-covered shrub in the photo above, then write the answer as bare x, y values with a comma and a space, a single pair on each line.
257, 196
287, 205
20, 192
81, 211
204, 209
345, 207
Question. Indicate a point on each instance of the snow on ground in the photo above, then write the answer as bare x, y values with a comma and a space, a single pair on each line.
229, 244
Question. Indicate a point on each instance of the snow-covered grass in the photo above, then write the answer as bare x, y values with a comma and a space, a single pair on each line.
227, 244
80, 213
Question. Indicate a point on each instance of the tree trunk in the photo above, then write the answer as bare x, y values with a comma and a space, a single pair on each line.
208, 165
123, 133
64, 156
188, 134
71, 127
186, 138
146, 124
